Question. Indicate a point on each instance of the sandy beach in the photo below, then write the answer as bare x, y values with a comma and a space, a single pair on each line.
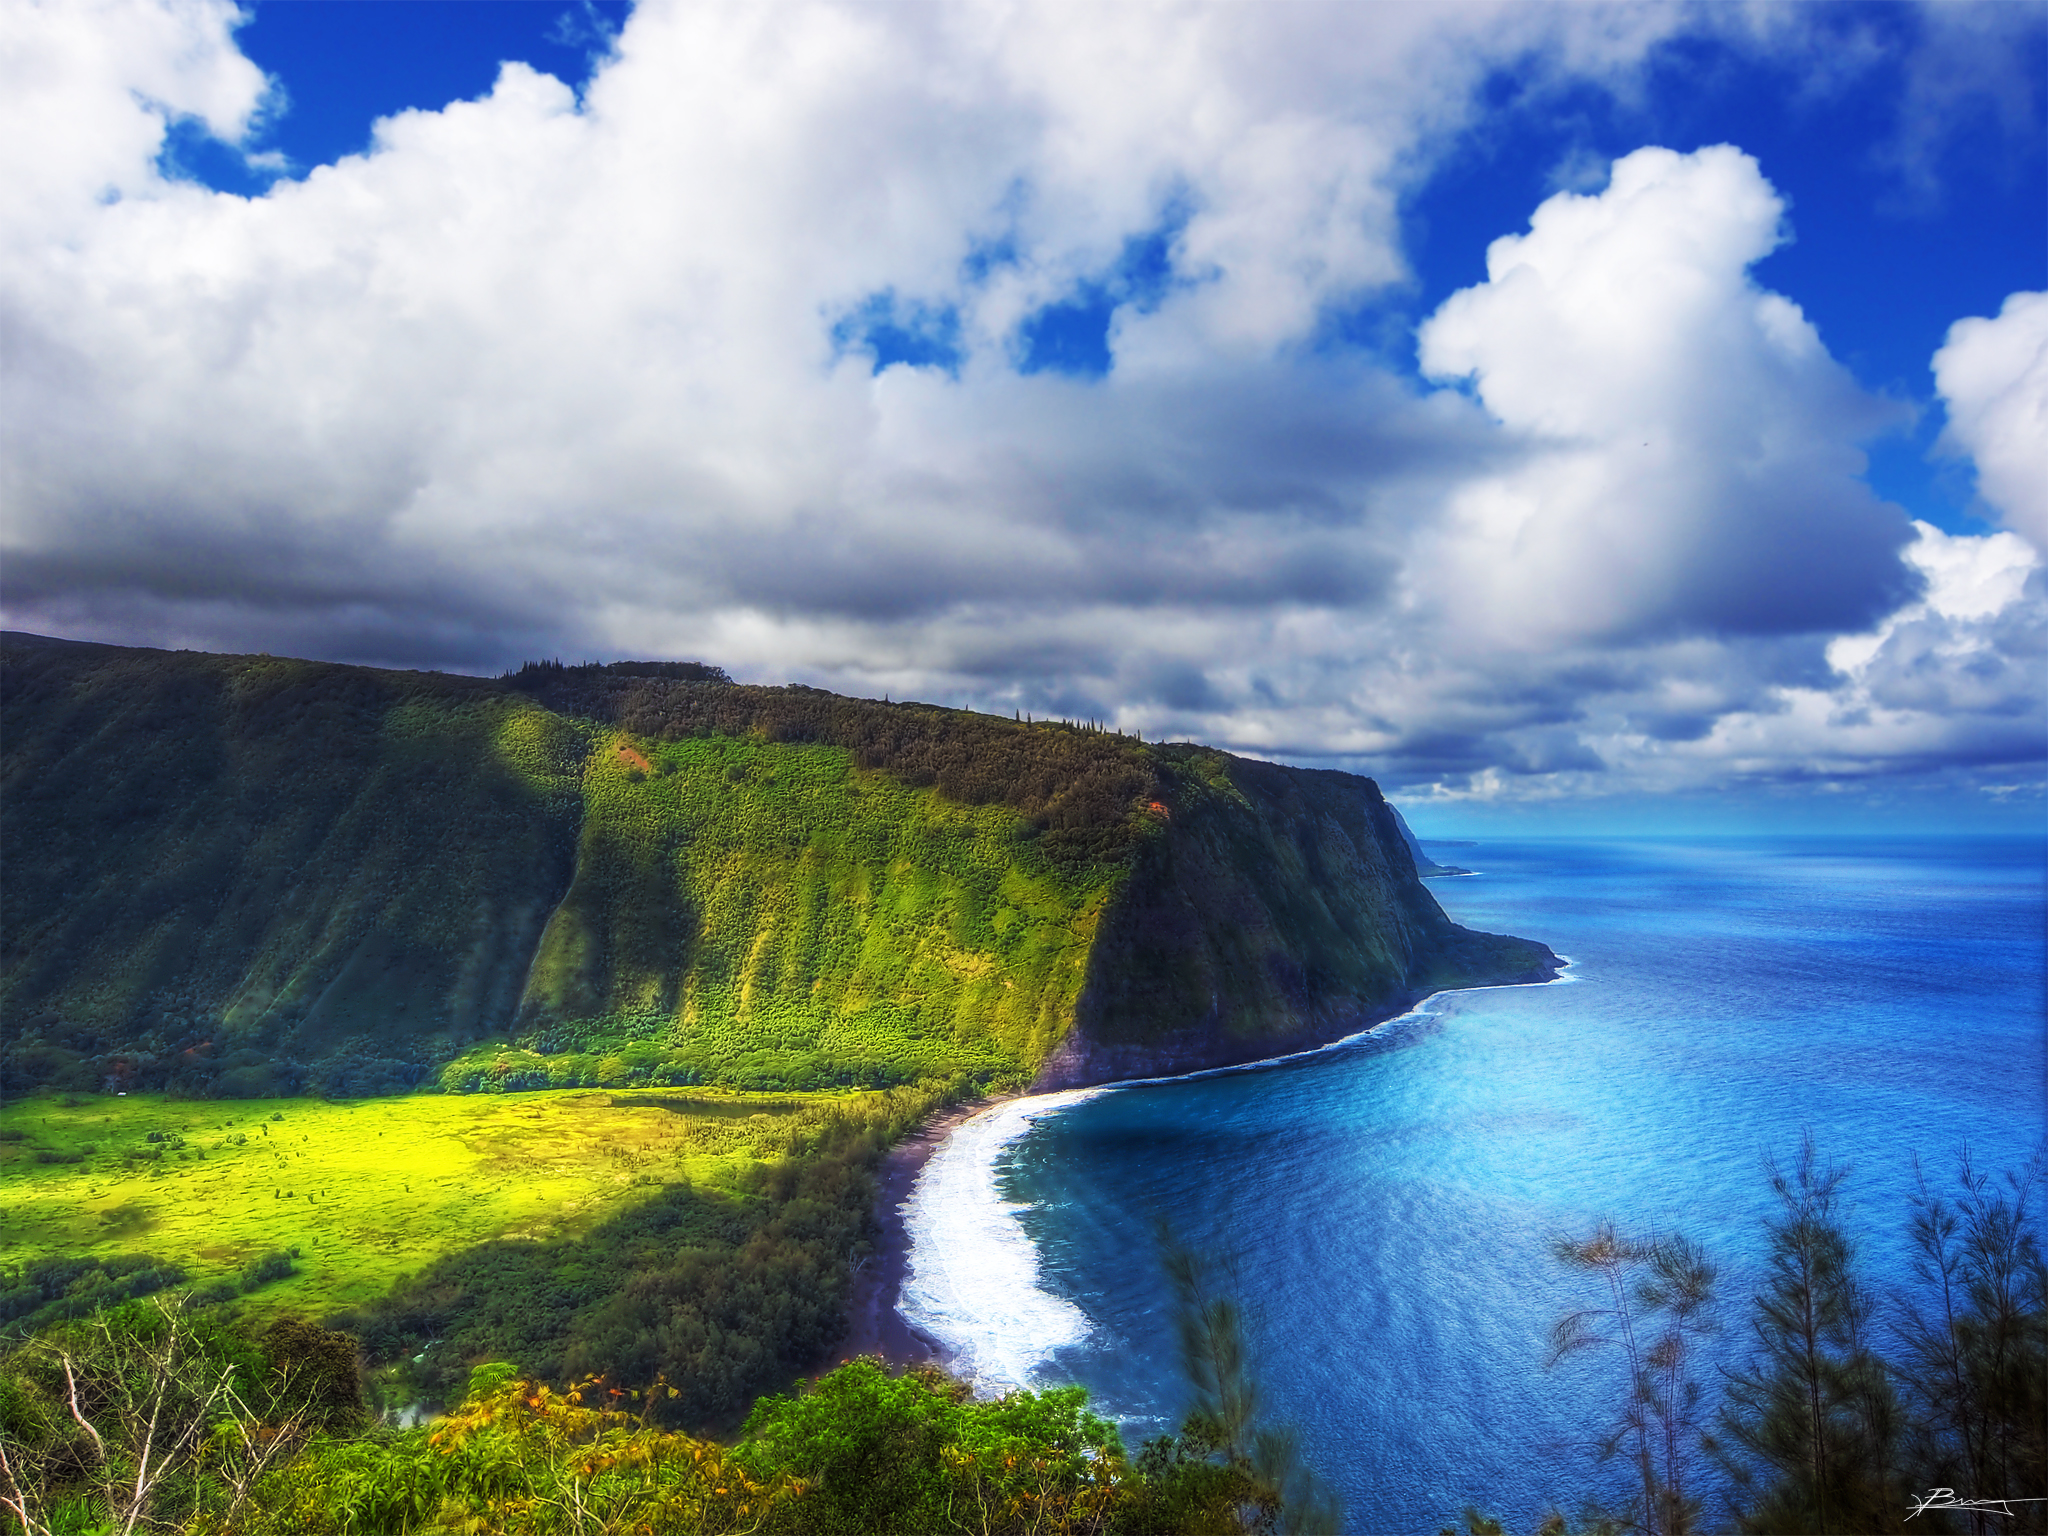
875, 1327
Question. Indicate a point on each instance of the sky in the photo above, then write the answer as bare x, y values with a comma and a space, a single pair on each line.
1577, 417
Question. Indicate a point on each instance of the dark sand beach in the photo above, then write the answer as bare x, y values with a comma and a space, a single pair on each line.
875, 1327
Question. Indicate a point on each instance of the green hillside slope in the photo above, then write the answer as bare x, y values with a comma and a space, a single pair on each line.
238, 875
768, 908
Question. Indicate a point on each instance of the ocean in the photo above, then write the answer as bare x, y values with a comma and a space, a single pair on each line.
1383, 1209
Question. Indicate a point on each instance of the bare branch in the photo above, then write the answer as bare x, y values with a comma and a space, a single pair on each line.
71, 1382
16, 1498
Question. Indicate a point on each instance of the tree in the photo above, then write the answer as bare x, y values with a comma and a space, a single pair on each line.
876, 1453
1811, 1424
158, 1413
1255, 1472
1666, 1286
1974, 1344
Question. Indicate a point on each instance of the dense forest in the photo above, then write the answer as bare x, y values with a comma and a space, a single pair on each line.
1075, 785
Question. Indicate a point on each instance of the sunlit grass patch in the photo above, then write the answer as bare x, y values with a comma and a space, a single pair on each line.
365, 1191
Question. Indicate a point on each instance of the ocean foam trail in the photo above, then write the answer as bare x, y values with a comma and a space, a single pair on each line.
973, 1281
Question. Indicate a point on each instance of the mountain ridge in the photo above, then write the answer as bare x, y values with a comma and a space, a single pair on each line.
238, 875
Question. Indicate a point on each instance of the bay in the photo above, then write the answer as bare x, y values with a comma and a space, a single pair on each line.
1384, 1209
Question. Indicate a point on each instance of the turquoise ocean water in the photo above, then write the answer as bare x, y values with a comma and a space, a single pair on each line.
1386, 1205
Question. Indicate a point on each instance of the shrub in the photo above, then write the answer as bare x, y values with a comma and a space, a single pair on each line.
274, 1265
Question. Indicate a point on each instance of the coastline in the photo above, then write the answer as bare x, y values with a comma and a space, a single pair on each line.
875, 1324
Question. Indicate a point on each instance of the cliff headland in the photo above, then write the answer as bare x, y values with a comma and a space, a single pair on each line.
243, 875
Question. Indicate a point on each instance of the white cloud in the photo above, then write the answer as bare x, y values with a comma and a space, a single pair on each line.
539, 378
1695, 448
1993, 376
87, 88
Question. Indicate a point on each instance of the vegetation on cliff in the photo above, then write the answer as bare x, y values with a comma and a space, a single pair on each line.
773, 916
238, 876
247, 875
1283, 909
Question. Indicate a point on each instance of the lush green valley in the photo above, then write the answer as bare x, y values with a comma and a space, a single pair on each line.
705, 1236
360, 1193
565, 1020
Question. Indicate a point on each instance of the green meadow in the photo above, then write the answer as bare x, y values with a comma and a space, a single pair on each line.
366, 1192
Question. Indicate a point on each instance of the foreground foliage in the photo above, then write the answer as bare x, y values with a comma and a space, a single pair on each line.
1660, 1305
153, 1417
519, 1457
916, 1453
854, 1453
159, 1415
1852, 1409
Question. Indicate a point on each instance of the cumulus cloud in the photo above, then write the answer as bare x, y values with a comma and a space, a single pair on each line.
91, 86
1953, 679
1993, 377
1694, 447
961, 354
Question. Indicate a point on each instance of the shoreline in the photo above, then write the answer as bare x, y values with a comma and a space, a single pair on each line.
875, 1322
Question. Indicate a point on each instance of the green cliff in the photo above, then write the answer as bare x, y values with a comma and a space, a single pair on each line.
244, 875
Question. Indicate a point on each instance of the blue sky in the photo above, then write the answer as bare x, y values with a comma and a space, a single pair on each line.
1147, 371
342, 64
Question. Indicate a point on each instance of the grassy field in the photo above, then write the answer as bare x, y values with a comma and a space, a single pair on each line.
366, 1192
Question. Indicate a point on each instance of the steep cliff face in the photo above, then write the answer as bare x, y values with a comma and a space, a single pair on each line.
1425, 866
769, 910
247, 874
219, 870
1281, 910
